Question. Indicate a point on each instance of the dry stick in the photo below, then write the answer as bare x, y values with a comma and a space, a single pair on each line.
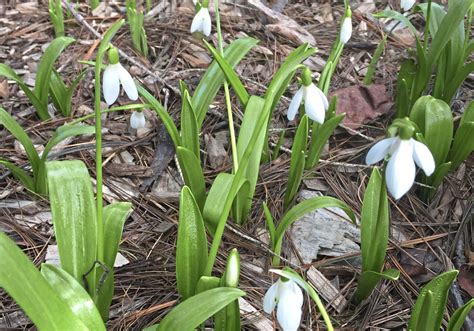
82, 21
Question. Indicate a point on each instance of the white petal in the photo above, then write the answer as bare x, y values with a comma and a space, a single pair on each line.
111, 83
295, 104
137, 120
379, 150
314, 104
206, 22
423, 157
196, 25
270, 297
127, 82
323, 97
407, 4
346, 30
289, 306
400, 172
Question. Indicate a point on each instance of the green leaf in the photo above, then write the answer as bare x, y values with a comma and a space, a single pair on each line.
393, 14
191, 248
61, 94
194, 311
192, 173
300, 210
20, 174
64, 132
253, 112
369, 279
454, 84
206, 283
439, 287
270, 223
24, 283
214, 77
74, 217
406, 77
74, 295
298, 153
45, 66
189, 131
463, 144
374, 61
115, 216
17, 131
435, 120
162, 113
41, 108
230, 74
459, 316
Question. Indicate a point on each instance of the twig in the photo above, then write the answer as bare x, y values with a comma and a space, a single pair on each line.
82, 21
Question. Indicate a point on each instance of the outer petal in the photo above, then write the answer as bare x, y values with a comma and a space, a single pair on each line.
128, 83
400, 172
314, 104
111, 83
196, 25
346, 30
206, 22
407, 4
137, 120
269, 300
289, 306
423, 157
379, 150
295, 104
323, 97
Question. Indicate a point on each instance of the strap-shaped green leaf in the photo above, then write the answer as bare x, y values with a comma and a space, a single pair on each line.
45, 66
191, 313
439, 287
463, 144
74, 217
191, 248
301, 209
189, 131
214, 77
297, 162
20, 174
64, 132
231, 75
162, 113
369, 279
62, 94
20, 278
17, 131
459, 316
393, 14
192, 173
74, 295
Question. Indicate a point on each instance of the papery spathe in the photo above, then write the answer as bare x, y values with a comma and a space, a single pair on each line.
315, 103
289, 297
114, 75
404, 153
202, 22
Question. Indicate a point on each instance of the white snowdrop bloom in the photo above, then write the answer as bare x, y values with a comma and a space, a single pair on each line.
137, 120
407, 4
346, 30
287, 294
315, 103
202, 22
400, 171
114, 75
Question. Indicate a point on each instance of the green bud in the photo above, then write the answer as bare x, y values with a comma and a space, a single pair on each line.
306, 77
113, 55
232, 271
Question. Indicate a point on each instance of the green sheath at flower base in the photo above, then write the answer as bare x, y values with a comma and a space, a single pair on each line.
113, 55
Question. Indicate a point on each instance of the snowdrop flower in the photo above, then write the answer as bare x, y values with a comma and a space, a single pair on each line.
137, 120
346, 28
315, 102
289, 297
407, 4
404, 152
202, 21
114, 75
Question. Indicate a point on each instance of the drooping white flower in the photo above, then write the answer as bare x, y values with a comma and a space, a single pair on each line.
287, 294
346, 30
202, 22
137, 120
404, 153
114, 75
315, 103
407, 4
